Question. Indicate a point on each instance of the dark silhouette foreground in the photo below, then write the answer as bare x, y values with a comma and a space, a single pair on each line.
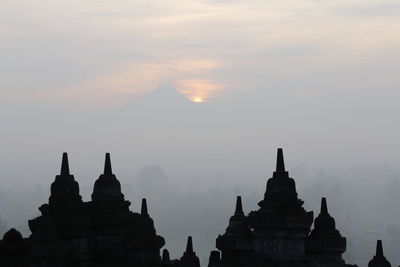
104, 232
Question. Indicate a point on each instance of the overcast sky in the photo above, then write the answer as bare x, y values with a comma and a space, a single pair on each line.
320, 78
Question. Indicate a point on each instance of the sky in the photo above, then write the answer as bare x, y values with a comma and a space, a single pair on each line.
206, 89
105, 52
316, 76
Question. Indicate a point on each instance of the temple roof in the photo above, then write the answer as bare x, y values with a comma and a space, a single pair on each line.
12, 236
325, 239
379, 259
281, 208
324, 224
281, 189
64, 190
189, 258
145, 225
13, 246
107, 186
237, 223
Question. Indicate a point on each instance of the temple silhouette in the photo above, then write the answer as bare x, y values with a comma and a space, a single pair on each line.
104, 232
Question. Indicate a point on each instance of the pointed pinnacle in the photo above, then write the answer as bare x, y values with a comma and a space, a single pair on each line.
280, 163
107, 165
189, 245
215, 257
239, 208
379, 248
165, 256
324, 206
64, 164
144, 211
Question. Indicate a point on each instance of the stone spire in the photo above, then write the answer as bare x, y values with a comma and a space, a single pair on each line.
107, 187
165, 257
325, 224
280, 162
237, 223
379, 259
64, 190
281, 189
325, 243
239, 208
236, 243
143, 210
107, 165
324, 206
100, 232
214, 259
379, 249
280, 165
189, 245
189, 258
145, 224
64, 164
281, 212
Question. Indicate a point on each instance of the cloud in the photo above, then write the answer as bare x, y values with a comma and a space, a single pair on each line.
191, 76
105, 52
199, 90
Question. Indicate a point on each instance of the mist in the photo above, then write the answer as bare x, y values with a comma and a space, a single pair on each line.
191, 160
193, 99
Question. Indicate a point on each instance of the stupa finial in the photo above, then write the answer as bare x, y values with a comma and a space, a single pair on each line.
144, 211
64, 164
189, 245
107, 165
239, 207
379, 249
280, 163
324, 206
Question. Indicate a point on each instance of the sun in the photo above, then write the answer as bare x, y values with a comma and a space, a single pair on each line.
198, 90
198, 99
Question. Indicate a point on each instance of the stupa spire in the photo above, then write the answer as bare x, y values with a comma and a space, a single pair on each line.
239, 207
324, 206
107, 185
165, 257
64, 191
107, 165
64, 164
189, 258
379, 249
379, 259
280, 163
144, 211
189, 245
215, 258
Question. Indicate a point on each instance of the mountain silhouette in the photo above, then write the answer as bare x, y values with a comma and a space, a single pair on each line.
164, 106
164, 97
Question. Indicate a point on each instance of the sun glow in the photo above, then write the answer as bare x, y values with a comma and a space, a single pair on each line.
198, 90
197, 99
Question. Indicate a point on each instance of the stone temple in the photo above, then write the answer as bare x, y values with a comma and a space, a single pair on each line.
105, 233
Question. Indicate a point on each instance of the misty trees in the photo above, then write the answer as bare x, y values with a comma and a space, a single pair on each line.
151, 180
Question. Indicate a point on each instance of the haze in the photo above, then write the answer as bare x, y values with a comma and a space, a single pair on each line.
192, 98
